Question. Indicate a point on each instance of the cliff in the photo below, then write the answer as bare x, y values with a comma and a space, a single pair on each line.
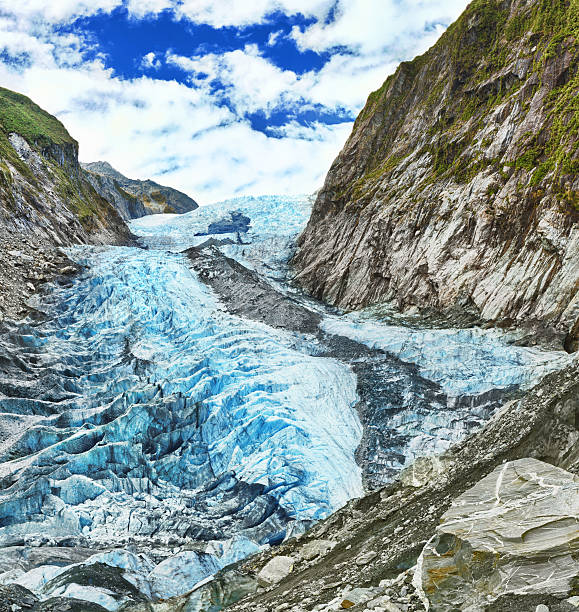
459, 184
134, 198
45, 202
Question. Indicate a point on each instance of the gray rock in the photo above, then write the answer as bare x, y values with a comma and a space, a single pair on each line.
37, 215
275, 570
355, 597
396, 221
134, 198
366, 558
67, 270
515, 531
542, 608
316, 548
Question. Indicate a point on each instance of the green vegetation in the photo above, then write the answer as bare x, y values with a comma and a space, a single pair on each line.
371, 177
81, 198
158, 197
126, 195
467, 79
475, 36
19, 114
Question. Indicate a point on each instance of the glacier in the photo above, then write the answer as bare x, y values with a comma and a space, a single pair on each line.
463, 361
275, 222
158, 435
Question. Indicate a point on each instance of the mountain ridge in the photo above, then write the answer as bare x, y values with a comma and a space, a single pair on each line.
45, 202
135, 198
459, 183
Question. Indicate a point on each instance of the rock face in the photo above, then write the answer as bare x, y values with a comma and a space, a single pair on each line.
127, 205
45, 202
516, 532
460, 182
192, 427
134, 198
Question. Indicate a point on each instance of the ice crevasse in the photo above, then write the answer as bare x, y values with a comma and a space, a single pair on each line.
148, 411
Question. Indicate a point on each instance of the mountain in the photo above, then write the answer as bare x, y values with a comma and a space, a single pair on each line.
134, 198
459, 185
45, 201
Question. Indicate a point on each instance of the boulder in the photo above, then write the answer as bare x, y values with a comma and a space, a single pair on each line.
355, 597
366, 558
516, 532
275, 570
316, 548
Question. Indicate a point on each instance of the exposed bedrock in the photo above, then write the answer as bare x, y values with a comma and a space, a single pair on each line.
134, 198
193, 411
45, 203
459, 184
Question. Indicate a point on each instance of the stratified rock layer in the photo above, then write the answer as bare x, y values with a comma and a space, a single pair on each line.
459, 184
516, 532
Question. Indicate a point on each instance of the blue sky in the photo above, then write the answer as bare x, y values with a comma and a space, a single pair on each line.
215, 97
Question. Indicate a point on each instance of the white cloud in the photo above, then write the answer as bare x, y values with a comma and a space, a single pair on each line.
142, 8
150, 60
241, 13
368, 26
148, 128
217, 13
251, 82
274, 38
55, 11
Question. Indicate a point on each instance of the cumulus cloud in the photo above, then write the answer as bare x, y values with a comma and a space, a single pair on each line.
370, 26
251, 82
57, 10
150, 60
243, 13
195, 133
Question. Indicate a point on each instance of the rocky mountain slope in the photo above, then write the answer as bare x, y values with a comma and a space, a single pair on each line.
134, 198
45, 202
459, 184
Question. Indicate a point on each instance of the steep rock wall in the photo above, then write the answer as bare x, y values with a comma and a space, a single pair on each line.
45, 202
460, 181
127, 205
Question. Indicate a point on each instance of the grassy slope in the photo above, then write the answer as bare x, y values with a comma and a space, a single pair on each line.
553, 26
21, 115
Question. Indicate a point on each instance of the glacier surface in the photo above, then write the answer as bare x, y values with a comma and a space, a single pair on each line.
463, 361
138, 412
146, 391
275, 222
